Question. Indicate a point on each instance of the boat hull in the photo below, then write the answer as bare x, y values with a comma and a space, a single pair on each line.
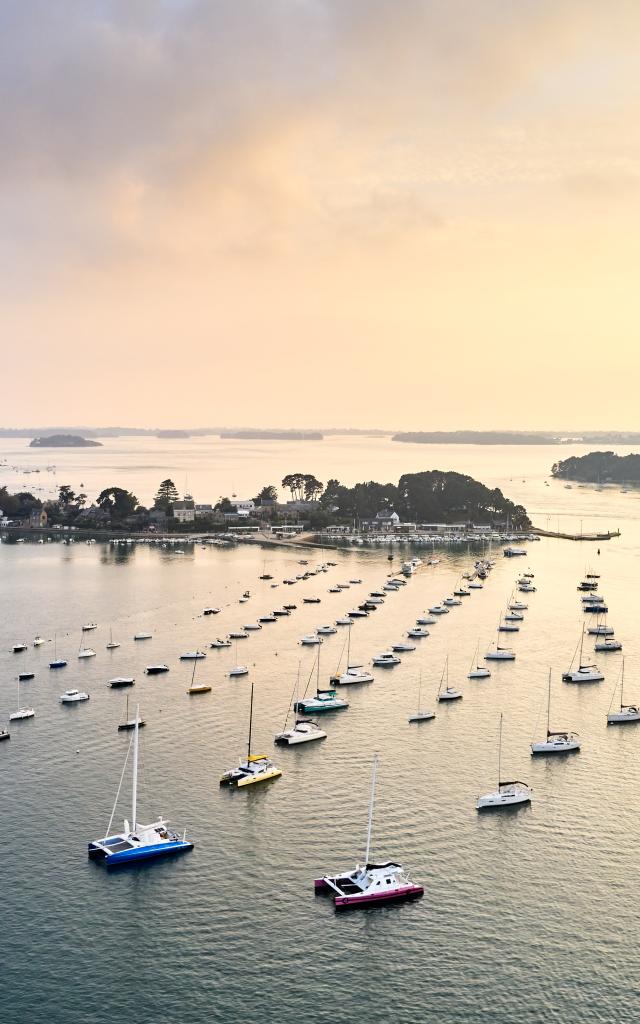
397, 895
113, 860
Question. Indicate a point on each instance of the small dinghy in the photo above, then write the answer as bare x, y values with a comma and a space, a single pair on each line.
156, 670
38, 641
88, 626
251, 626
369, 884
142, 636
310, 640
218, 644
238, 634
23, 677
210, 611
403, 648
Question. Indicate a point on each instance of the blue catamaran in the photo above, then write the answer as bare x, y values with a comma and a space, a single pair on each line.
137, 842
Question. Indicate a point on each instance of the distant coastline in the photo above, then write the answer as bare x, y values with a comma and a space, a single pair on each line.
64, 441
473, 437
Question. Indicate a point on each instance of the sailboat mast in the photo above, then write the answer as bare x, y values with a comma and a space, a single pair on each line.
548, 704
622, 686
349, 645
371, 803
581, 646
500, 751
134, 794
250, 723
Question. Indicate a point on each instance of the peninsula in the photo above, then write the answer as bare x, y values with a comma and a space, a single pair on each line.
599, 468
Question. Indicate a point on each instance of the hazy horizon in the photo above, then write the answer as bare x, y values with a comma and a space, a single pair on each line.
422, 214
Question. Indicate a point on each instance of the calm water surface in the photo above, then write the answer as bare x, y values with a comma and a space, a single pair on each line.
526, 916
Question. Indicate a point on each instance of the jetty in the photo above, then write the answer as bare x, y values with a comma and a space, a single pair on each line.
560, 535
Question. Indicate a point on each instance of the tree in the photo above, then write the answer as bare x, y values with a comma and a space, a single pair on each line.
268, 493
224, 506
312, 487
294, 482
117, 502
66, 496
166, 495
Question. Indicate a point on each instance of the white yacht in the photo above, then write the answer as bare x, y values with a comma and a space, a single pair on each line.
508, 794
518, 606
38, 641
239, 670
557, 741
402, 648
19, 648
326, 630
86, 652
238, 634
250, 627
192, 656
452, 602
354, 673
439, 609
310, 640
218, 644
421, 715
344, 621
21, 713
417, 632
73, 697
386, 658
142, 636
426, 620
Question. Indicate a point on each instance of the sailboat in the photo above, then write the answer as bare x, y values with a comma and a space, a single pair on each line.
447, 693
130, 723
370, 883
506, 626
354, 673
508, 794
238, 670
324, 700
26, 712
421, 716
557, 742
112, 643
627, 712
197, 687
255, 768
85, 652
584, 673
477, 671
57, 662
136, 841
304, 729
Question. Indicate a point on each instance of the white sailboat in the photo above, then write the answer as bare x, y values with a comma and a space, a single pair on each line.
136, 841
111, 646
420, 715
304, 730
22, 712
626, 712
446, 692
354, 673
584, 673
557, 741
477, 671
508, 794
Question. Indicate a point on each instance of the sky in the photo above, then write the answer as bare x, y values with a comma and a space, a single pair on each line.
407, 214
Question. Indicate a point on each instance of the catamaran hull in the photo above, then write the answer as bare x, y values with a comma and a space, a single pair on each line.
113, 860
406, 892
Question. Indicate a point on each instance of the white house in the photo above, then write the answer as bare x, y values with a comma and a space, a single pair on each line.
184, 511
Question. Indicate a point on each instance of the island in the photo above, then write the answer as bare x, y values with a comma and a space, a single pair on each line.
599, 468
173, 433
272, 435
64, 441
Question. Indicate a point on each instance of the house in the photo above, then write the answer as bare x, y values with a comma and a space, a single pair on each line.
184, 511
38, 518
386, 519
203, 511
244, 506
92, 516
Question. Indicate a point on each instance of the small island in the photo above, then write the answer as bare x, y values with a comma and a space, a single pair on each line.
64, 441
599, 468
173, 433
